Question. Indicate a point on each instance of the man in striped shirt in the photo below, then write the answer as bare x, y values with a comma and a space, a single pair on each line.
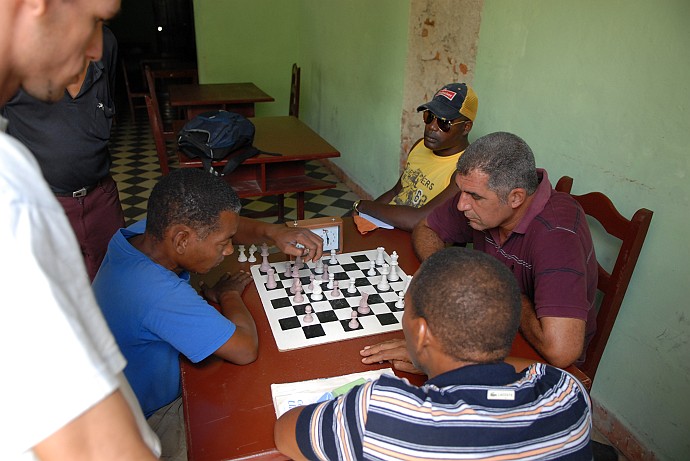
457, 330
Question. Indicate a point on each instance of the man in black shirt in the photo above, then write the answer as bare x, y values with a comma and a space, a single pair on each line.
70, 142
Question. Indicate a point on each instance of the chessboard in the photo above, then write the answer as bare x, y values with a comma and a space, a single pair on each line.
330, 319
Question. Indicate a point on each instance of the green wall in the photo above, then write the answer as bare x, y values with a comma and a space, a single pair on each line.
601, 92
352, 58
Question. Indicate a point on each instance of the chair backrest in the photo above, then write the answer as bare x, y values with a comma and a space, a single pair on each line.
565, 184
294, 91
157, 131
164, 76
614, 284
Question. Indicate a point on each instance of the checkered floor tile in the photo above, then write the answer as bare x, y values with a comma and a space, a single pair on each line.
135, 168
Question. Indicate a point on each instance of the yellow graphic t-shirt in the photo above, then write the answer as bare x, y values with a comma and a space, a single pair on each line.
426, 175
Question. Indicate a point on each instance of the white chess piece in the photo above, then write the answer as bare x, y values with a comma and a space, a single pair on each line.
372, 269
318, 269
252, 250
333, 259
242, 257
308, 318
407, 284
400, 303
331, 279
364, 304
352, 288
271, 279
317, 292
353, 324
393, 274
380, 259
383, 284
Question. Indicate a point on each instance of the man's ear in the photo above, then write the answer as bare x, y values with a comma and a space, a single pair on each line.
517, 197
180, 236
467, 127
423, 337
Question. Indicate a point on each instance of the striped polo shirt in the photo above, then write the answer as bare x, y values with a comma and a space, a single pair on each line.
479, 412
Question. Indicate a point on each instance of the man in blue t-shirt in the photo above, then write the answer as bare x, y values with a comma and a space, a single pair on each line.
458, 330
155, 314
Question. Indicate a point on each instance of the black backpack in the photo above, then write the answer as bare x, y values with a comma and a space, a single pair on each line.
217, 134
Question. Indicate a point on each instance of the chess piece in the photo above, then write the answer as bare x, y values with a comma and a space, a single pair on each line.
353, 324
288, 270
407, 284
295, 282
271, 278
318, 269
242, 257
364, 304
352, 288
317, 292
324, 276
333, 259
393, 274
331, 279
379, 256
311, 282
308, 318
252, 250
400, 303
372, 269
336, 290
299, 298
295, 271
383, 284
264, 259
298, 262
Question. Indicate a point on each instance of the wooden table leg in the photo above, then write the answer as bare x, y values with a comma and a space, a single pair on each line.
300, 205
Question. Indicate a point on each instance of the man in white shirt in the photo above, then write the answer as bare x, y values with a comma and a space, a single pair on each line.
62, 391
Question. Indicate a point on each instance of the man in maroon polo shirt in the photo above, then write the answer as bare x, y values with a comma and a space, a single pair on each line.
507, 208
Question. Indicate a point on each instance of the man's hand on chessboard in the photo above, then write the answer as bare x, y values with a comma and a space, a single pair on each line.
393, 351
296, 241
236, 282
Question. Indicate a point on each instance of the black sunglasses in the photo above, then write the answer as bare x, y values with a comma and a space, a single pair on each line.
443, 124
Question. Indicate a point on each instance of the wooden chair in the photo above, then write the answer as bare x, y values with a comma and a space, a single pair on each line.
294, 91
565, 184
132, 95
613, 285
158, 133
171, 122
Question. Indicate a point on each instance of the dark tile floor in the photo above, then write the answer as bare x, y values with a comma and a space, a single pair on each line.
135, 168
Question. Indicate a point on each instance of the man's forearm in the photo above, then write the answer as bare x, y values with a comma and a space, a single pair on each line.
399, 216
425, 241
252, 231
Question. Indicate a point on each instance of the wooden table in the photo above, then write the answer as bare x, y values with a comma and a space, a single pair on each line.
228, 408
277, 175
234, 97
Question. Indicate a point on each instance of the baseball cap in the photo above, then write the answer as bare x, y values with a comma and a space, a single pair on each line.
453, 100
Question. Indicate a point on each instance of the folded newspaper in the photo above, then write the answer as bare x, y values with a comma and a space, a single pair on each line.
290, 395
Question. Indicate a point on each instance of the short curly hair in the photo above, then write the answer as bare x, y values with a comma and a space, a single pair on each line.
191, 197
470, 301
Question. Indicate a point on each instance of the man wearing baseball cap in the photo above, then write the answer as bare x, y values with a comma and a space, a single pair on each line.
427, 180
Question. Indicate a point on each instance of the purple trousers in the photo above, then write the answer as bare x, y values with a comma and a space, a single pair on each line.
95, 218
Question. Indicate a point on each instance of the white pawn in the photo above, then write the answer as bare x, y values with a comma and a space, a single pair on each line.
271, 279
299, 298
352, 288
288, 270
252, 250
325, 274
353, 324
400, 303
318, 269
308, 318
242, 257
372, 269
336, 290
333, 259
383, 284
331, 279
379, 256
364, 304
317, 293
